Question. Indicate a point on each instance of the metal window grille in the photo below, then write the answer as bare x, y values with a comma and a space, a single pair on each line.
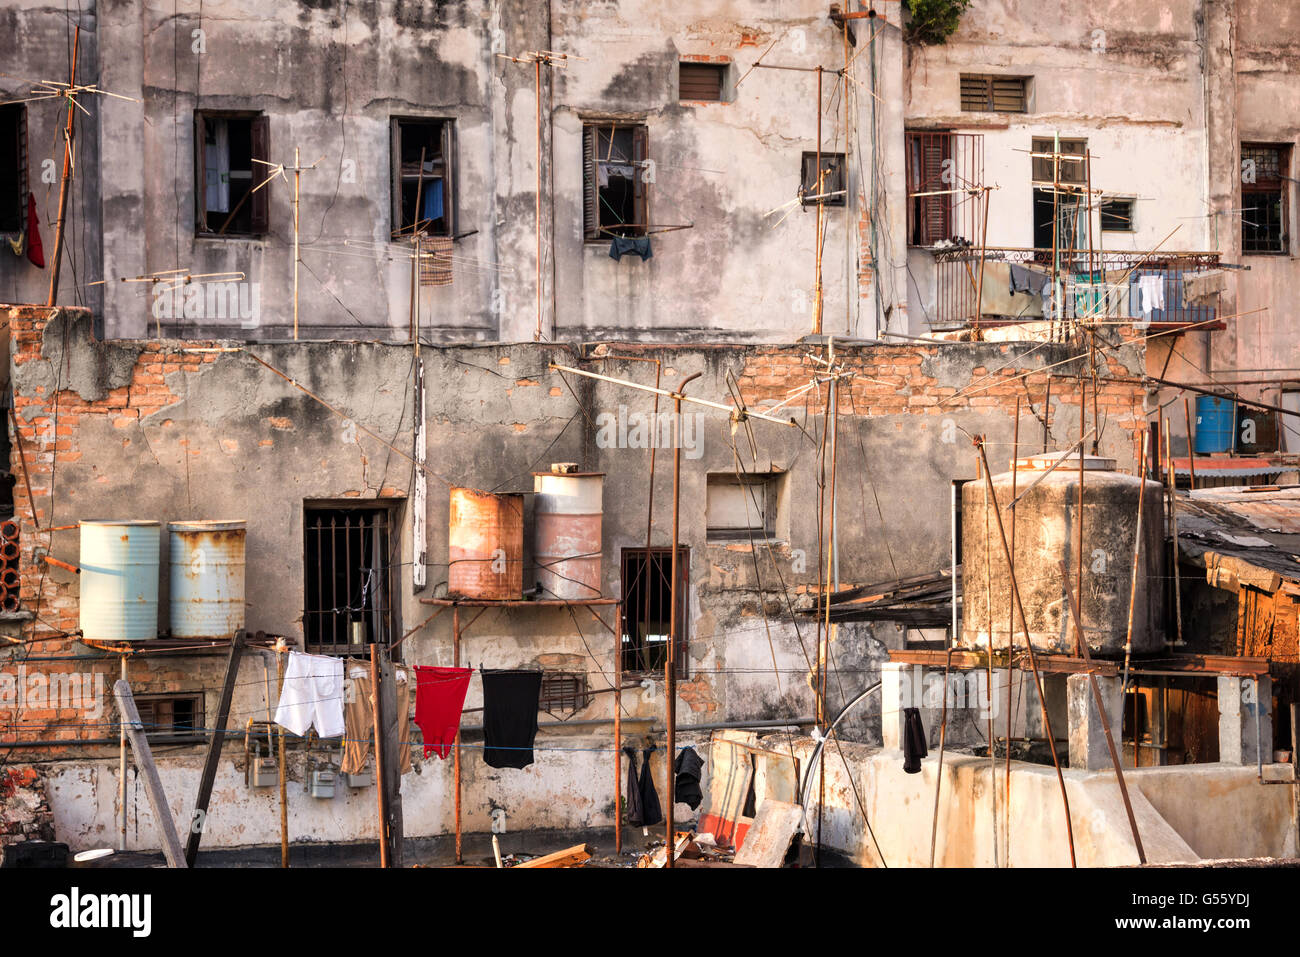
832, 180
1264, 198
646, 608
349, 588
563, 692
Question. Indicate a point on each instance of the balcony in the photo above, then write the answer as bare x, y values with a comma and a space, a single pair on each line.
1160, 290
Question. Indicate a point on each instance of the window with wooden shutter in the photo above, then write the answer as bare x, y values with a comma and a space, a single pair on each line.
986, 93
930, 179
698, 82
225, 147
615, 192
13, 168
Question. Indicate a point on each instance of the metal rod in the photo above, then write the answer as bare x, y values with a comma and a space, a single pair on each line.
733, 410
455, 661
1011, 637
67, 174
1137, 551
297, 176
670, 668
1191, 449
381, 791
1173, 519
121, 782
284, 794
618, 727
22, 461
1081, 646
1029, 647
537, 86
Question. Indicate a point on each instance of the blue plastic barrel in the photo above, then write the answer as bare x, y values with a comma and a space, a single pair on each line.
1215, 420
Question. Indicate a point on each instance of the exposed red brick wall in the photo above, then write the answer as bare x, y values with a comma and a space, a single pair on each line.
24, 810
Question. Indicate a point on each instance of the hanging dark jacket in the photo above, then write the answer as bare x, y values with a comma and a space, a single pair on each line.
632, 793
914, 748
651, 812
687, 768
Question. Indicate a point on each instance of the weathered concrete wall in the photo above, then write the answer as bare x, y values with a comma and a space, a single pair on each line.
1184, 814
151, 430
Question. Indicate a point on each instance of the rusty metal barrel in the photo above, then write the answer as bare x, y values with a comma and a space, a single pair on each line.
119, 580
485, 545
567, 512
207, 578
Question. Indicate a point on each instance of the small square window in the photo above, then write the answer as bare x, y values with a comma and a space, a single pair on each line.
171, 718
985, 93
740, 508
701, 82
563, 692
831, 188
1117, 215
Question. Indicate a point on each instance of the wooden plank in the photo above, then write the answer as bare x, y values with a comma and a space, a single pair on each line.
198, 819
162, 815
569, 857
392, 782
775, 828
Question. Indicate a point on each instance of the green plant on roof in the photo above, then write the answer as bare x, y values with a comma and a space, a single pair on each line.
933, 21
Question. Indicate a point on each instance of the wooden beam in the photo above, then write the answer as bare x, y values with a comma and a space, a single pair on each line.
199, 818
162, 815
390, 721
569, 857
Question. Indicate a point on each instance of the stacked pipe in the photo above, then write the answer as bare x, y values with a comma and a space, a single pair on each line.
9, 578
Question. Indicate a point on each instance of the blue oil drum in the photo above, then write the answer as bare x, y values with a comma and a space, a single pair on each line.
1215, 418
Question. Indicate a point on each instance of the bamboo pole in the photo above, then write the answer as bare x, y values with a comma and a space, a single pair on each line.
381, 782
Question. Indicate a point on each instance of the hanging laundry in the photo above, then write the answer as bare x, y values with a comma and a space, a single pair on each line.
914, 748
1201, 286
1027, 280
17, 242
432, 200
312, 695
1152, 291
439, 699
651, 812
35, 250
622, 246
632, 794
510, 701
687, 785
605, 170
359, 722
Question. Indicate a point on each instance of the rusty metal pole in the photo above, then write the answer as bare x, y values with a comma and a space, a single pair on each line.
121, 784
817, 251
537, 86
1029, 648
455, 661
380, 780
1011, 638
67, 174
1191, 449
670, 668
1137, 551
284, 796
618, 729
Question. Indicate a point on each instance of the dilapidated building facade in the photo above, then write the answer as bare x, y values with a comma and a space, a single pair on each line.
819, 215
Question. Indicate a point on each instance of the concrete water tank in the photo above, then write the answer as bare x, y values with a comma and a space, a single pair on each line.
119, 580
1046, 532
485, 545
207, 578
567, 511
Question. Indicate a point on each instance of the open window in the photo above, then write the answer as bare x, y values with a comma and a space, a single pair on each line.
13, 168
226, 145
1058, 213
424, 176
347, 561
830, 189
615, 192
930, 180
1265, 198
647, 602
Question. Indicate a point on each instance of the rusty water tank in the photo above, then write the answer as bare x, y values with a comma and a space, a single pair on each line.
485, 545
567, 510
119, 579
1046, 532
207, 578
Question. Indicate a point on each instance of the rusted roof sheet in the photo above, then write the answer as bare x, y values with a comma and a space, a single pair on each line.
1242, 535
